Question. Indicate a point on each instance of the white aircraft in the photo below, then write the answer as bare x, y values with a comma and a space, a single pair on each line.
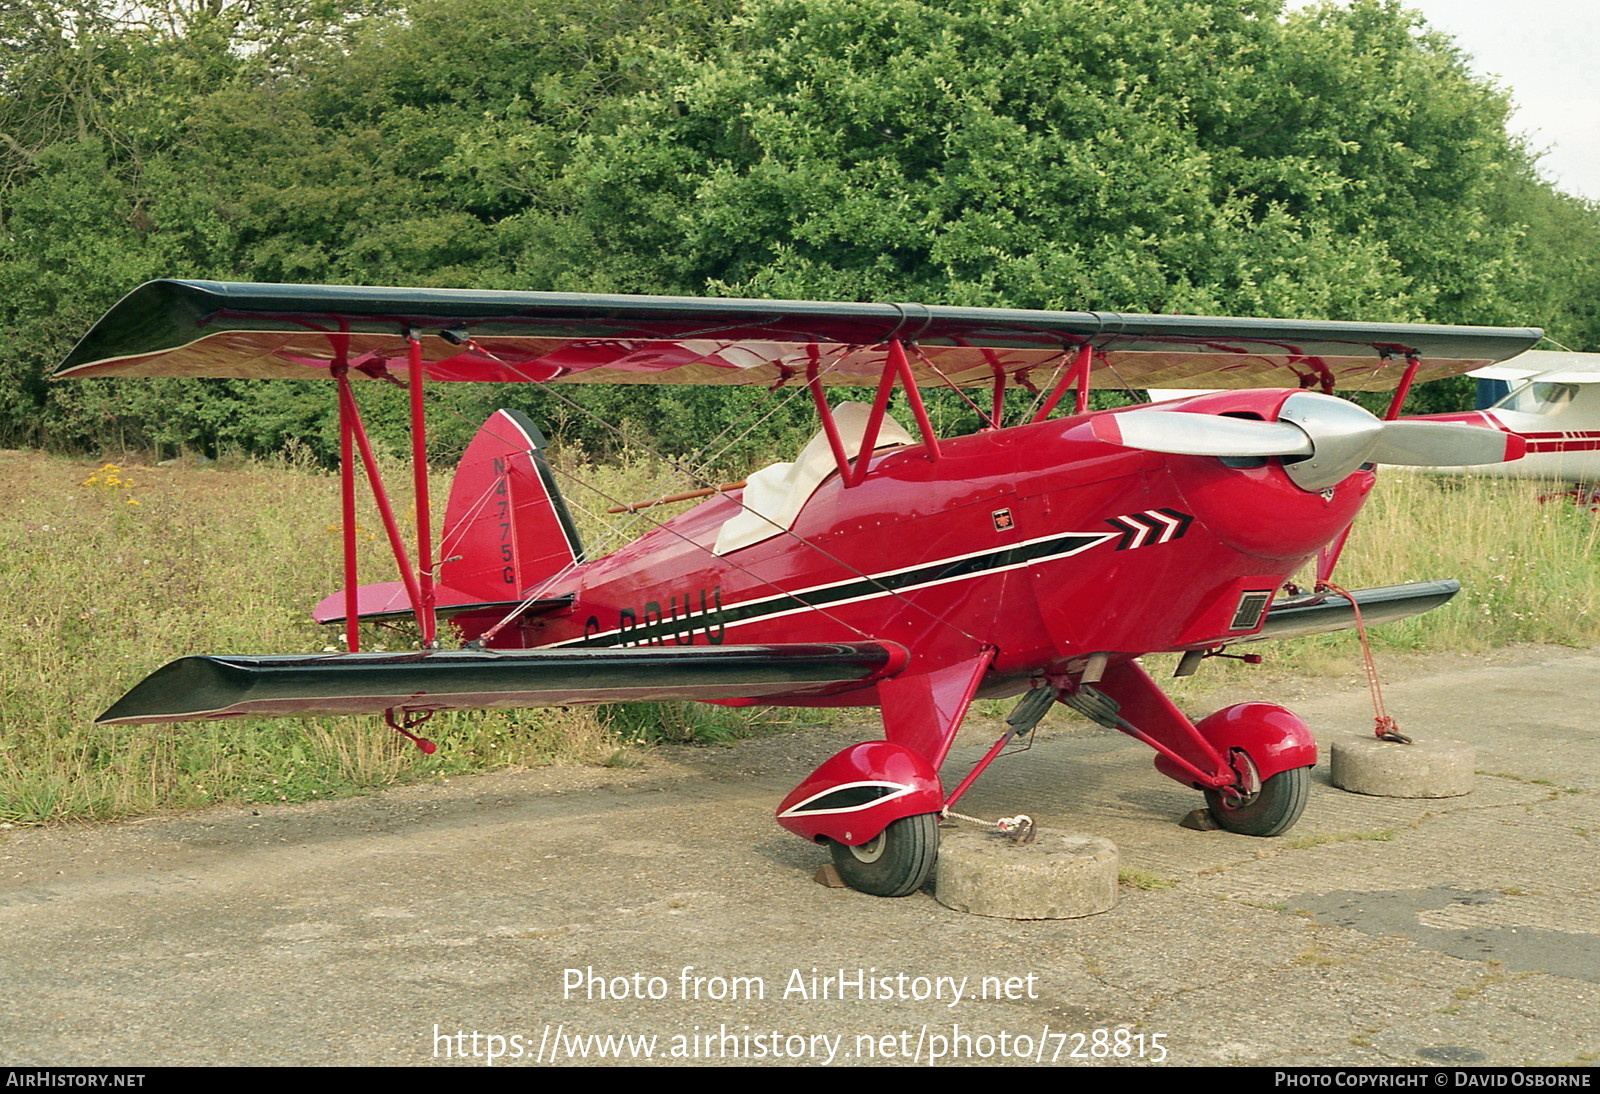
1553, 400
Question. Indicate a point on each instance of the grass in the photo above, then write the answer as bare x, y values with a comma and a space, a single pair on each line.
1145, 880
1305, 843
111, 571
1528, 568
1314, 956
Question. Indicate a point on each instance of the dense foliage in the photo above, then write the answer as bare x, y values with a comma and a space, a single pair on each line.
1212, 156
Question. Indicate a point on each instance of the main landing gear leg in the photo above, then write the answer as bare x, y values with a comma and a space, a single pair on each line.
878, 803
1252, 760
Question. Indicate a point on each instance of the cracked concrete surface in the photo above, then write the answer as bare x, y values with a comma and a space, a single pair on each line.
521, 905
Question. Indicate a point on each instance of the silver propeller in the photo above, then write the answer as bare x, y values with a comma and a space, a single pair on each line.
1330, 438
1201, 434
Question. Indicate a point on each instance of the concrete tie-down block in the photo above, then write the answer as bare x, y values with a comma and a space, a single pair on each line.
1060, 875
1430, 769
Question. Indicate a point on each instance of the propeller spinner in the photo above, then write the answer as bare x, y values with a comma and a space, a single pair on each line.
1321, 439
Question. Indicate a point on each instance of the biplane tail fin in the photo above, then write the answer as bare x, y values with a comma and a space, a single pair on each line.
506, 531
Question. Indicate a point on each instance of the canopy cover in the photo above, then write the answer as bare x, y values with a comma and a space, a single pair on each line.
209, 328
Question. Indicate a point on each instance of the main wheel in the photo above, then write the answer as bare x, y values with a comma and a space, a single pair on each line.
1272, 812
896, 861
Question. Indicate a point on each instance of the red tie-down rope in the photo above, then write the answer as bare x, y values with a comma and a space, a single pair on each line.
1383, 727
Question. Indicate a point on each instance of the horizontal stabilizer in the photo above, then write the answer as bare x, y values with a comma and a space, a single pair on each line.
202, 687
1326, 612
388, 600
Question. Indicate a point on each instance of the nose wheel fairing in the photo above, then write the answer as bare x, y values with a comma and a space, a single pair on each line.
859, 791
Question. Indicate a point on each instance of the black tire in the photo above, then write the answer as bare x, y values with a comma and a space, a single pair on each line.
1272, 812
895, 862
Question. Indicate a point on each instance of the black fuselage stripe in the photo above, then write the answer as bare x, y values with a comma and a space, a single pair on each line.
945, 570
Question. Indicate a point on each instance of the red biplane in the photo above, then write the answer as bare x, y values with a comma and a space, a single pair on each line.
882, 567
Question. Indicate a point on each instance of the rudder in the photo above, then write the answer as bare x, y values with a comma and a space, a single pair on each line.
506, 528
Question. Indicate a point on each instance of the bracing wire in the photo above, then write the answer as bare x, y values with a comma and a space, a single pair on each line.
695, 476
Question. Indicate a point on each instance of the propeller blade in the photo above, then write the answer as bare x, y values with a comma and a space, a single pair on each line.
1325, 437
1201, 434
1439, 444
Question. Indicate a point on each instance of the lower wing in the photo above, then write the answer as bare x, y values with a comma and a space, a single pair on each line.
202, 687
1329, 611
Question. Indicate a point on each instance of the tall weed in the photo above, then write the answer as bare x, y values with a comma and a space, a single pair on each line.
112, 570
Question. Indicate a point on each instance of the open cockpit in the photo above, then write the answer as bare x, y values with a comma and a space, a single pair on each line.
774, 496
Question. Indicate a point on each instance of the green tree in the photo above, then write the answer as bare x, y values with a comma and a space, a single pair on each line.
1077, 153
1138, 155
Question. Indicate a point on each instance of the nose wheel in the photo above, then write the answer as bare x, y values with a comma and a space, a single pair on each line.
896, 861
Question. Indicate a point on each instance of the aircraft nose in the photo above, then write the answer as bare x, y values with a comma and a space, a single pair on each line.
1344, 436
1320, 439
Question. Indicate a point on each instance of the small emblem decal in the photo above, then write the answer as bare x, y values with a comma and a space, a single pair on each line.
1002, 520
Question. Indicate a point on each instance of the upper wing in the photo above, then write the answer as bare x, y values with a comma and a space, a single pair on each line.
207, 328
273, 686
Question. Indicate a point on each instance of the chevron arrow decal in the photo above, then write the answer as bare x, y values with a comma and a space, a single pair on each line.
1151, 526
